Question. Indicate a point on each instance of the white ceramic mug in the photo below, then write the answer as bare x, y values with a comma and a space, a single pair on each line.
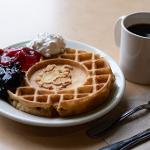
134, 49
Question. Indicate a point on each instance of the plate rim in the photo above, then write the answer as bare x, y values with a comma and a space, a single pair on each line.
85, 119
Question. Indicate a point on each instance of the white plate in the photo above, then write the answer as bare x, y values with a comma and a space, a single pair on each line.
10, 112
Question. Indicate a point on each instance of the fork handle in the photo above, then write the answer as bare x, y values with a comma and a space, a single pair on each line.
130, 142
132, 111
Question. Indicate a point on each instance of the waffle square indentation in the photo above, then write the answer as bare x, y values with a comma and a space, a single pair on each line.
84, 57
42, 98
85, 89
26, 91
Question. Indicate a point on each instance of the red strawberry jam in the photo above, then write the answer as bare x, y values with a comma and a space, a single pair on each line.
25, 56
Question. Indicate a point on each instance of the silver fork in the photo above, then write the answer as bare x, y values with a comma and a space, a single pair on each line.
95, 131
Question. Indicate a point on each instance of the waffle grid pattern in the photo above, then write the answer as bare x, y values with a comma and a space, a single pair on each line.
100, 75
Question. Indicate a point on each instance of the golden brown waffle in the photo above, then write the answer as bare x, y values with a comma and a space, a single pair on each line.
65, 102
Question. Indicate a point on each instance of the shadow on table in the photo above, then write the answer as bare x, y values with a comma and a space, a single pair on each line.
67, 137
133, 102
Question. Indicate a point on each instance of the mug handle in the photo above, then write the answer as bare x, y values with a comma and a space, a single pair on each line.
117, 33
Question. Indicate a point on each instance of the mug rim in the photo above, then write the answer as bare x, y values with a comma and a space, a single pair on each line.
125, 28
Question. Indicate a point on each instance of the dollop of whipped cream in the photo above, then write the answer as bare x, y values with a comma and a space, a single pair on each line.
48, 44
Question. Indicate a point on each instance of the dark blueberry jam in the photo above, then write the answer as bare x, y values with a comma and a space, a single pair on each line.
11, 77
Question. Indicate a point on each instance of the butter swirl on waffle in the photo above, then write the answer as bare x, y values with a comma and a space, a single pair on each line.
97, 83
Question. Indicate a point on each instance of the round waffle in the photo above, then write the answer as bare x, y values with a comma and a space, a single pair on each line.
75, 98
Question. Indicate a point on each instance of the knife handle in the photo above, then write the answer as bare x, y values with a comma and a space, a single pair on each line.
130, 142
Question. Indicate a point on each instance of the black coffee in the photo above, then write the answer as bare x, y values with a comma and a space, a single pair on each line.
140, 29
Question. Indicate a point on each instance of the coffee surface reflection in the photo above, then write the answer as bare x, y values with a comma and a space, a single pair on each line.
140, 29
